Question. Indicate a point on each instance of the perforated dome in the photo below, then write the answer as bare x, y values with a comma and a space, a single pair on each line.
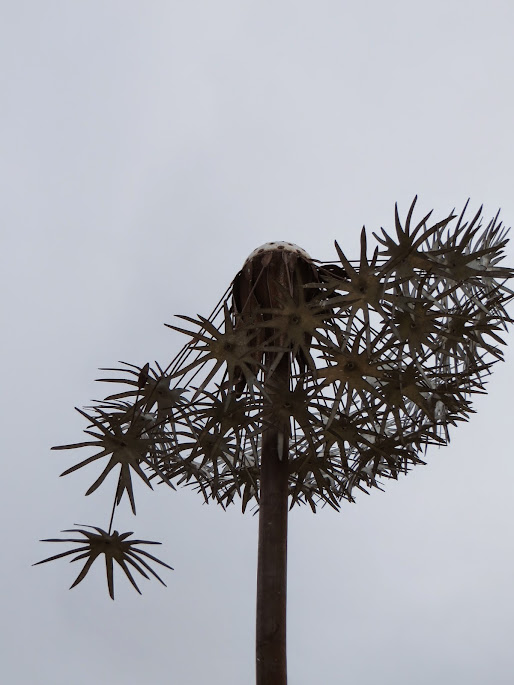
279, 245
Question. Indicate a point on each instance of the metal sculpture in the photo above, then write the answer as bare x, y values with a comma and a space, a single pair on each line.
307, 383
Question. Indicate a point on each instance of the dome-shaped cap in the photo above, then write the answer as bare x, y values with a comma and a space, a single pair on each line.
279, 246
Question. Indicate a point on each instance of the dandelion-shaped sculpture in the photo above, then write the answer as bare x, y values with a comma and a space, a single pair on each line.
308, 382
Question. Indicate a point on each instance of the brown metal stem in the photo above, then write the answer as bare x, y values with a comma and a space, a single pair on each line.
271, 663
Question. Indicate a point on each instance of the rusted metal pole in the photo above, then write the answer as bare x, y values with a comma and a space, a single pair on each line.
271, 271
271, 663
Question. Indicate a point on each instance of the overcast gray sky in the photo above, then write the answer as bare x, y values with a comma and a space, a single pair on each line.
146, 149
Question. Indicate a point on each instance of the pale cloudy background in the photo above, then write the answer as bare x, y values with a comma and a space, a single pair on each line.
146, 149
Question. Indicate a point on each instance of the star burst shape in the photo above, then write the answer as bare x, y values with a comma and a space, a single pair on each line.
115, 547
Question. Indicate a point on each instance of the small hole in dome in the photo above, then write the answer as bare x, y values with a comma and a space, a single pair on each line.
260, 250
280, 247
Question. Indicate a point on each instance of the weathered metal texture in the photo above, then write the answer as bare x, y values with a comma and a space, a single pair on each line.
270, 273
260, 289
271, 660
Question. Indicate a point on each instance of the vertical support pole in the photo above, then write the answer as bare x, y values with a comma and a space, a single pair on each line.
271, 664
270, 275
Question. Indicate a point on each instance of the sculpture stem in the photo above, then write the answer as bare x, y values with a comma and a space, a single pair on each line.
271, 666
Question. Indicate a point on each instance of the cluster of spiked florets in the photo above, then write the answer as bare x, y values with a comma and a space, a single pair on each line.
382, 355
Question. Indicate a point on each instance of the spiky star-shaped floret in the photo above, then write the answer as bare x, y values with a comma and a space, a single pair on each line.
224, 409
405, 383
345, 434
314, 479
390, 455
126, 447
115, 547
295, 322
298, 409
230, 348
414, 319
407, 255
354, 369
462, 337
363, 286
201, 453
151, 388
244, 482
292, 403
465, 253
